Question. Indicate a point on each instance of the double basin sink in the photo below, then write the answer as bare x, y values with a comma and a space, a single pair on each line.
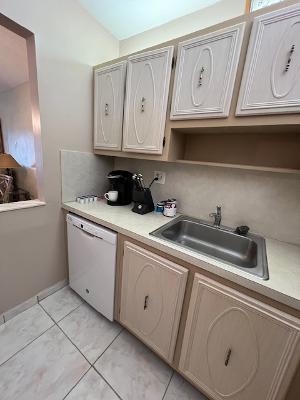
247, 253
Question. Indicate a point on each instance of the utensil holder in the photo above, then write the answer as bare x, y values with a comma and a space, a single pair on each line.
143, 202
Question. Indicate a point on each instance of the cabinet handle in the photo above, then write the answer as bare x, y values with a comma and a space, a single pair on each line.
143, 104
106, 109
228, 355
146, 302
290, 58
201, 76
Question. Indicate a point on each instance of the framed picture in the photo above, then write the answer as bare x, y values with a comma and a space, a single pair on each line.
253, 5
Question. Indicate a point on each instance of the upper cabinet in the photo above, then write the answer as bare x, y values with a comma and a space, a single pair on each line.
271, 81
109, 84
147, 89
205, 74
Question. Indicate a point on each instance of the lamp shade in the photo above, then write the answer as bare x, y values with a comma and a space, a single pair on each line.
7, 161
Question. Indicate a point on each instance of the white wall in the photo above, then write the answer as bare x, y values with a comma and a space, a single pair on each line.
68, 43
219, 12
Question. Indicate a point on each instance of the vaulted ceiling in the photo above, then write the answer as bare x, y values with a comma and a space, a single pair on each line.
125, 18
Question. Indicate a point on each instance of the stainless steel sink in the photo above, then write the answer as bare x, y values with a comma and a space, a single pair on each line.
244, 252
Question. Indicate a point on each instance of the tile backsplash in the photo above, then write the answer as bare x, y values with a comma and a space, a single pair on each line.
83, 173
269, 203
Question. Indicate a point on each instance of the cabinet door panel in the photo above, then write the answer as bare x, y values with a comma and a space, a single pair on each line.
147, 89
205, 74
235, 347
270, 81
108, 106
151, 299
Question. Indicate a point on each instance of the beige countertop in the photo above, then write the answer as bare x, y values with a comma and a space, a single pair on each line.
283, 258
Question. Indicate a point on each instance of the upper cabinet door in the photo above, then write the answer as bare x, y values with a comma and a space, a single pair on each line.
205, 74
147, 89
108, 106
271, 81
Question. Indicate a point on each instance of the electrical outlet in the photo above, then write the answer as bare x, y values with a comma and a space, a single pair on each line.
161, 177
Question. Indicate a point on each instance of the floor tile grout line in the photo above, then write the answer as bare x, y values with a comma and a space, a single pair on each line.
107, 382
164, 395
98, 358
37, 302
56, 323
76, 308
33, 340
50, 294
73, 387
28, 344
91, 365
73, 344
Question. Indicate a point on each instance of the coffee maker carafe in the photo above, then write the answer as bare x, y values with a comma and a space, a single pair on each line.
121, 181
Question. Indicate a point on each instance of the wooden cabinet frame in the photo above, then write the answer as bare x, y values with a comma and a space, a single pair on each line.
118, 105
176, 131
171, 298
239, 303
294, 388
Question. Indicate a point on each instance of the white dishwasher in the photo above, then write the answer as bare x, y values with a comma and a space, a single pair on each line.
92, 263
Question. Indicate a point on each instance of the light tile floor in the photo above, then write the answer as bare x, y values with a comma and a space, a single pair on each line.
63, 349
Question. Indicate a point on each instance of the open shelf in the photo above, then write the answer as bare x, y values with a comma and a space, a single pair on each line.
253, 149
240, 166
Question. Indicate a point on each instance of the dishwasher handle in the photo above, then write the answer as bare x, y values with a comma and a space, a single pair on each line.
92, 229
87, 232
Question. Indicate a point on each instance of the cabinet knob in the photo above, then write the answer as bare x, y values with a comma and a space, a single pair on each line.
106, 109
227, 358
146, 302
201, 76
143, 104
287, 67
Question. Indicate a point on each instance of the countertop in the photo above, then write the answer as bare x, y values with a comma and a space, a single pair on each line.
283, 258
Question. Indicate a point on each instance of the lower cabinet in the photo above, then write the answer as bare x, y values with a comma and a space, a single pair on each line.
235, 347
152, 294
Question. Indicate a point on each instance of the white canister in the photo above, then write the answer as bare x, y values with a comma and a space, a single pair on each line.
170, 208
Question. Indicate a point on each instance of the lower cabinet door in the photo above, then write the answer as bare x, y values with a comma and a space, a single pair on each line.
151, 298
235, 347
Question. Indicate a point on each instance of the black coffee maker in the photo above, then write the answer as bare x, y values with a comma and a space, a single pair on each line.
121, 181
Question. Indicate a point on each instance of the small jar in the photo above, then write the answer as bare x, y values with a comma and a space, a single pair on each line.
80, 200
159, 208
170, 208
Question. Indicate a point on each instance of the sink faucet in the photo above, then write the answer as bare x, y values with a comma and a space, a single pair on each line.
217, 216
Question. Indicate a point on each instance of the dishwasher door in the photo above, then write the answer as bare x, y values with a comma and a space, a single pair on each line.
92, 263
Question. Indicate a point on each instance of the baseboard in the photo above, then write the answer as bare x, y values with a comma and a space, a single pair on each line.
9, 314
52, 289
19, 308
